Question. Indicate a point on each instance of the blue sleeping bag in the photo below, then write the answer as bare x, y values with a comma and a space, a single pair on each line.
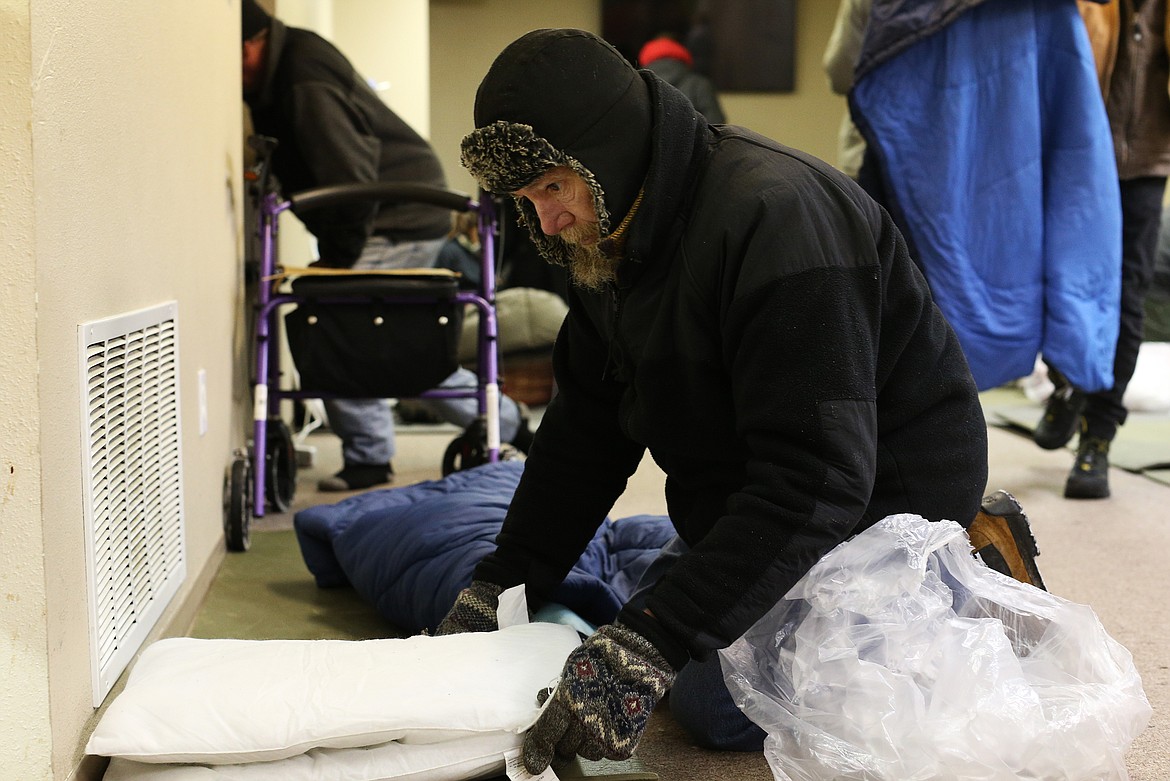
410, 550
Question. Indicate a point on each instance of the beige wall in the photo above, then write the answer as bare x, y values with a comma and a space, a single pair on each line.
808, 117
121, 148
466, 35
400, 71
24, 662
386, 42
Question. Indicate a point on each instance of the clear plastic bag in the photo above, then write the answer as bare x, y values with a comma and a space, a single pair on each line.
900, 657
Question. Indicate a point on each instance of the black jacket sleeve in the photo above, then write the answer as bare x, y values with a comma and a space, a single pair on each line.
579, 464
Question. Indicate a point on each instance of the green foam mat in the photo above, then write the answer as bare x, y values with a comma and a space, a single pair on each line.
626, 770
268, 593
1141, 445
1161, 475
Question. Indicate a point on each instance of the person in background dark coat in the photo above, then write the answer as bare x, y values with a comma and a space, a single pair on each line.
748, 315
672, 62
332, 128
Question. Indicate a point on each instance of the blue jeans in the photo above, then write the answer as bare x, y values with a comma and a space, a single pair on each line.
699, 700
366, 426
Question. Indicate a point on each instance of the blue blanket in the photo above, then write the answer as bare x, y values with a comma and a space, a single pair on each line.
409, 550
998, 164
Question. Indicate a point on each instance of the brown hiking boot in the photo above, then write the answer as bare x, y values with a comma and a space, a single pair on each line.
1002, 539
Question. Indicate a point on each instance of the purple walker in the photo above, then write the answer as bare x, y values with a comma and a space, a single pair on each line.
357, 334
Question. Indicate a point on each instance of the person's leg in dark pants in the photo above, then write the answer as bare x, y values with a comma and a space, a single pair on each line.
699, 700
701, 704
1104, 412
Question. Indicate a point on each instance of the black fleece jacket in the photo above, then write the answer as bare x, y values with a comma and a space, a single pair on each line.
773, 346
334, 129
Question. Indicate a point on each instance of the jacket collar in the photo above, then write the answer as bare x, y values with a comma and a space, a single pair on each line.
679, 140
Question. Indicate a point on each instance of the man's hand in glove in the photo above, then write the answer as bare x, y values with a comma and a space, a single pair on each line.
474, 610
608, 688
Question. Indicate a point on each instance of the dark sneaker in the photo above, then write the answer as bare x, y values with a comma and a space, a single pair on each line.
1062, 412
410, 411
1089, 476
357, 477
1002, 539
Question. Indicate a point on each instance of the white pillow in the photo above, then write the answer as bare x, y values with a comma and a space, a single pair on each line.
476, 756
232, 701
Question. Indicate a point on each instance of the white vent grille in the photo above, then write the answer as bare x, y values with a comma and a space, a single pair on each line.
135, 552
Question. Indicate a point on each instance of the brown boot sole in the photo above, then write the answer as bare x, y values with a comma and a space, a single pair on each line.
1002, 538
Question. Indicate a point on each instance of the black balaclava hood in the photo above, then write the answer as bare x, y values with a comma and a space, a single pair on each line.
253, 19
562, 97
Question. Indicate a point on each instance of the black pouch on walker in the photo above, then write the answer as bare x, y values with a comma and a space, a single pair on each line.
374, 336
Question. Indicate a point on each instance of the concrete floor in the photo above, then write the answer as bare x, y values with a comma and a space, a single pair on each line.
1109, 554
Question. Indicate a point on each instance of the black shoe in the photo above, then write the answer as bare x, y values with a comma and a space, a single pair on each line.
411, 411
1062, 412
1002, 539
1089, 476
356, 477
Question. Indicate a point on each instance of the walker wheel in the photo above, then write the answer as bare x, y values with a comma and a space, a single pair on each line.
280, 466
467, 450
237, 504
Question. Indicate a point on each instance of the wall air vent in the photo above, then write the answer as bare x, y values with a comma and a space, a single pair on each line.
133, 503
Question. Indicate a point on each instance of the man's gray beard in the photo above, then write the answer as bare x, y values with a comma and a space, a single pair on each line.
591, 268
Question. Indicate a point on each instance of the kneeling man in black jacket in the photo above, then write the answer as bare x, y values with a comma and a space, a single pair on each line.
751, 317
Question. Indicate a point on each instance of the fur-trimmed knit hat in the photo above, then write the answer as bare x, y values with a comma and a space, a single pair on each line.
562, 97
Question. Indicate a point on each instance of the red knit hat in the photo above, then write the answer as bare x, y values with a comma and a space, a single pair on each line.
664, 47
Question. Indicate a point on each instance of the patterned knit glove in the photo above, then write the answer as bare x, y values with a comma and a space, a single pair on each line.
474, 610
599, 710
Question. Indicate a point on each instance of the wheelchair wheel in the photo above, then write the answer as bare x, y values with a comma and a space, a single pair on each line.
237, 504
280, 466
